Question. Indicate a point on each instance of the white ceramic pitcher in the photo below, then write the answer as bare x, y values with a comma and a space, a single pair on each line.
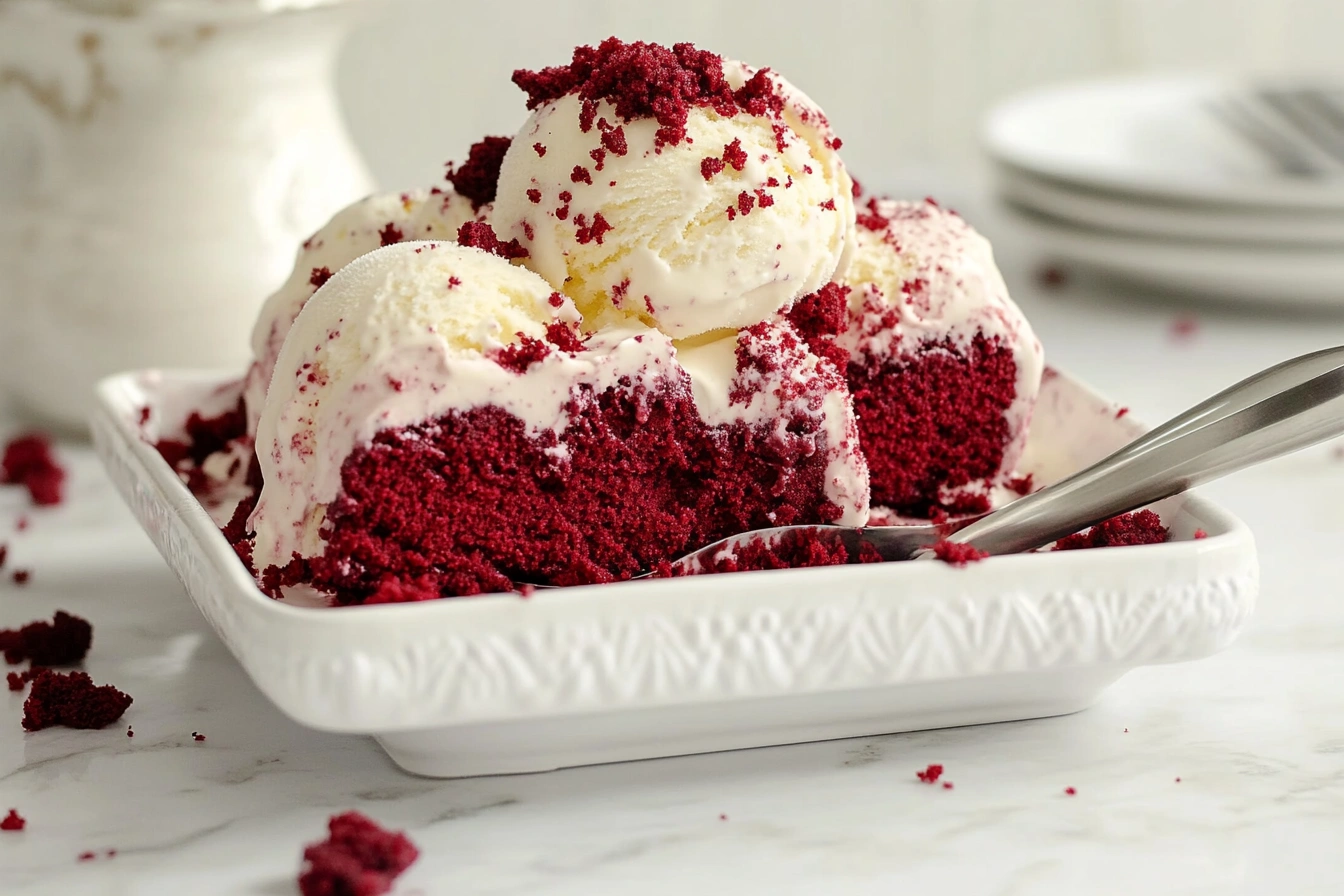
160, 162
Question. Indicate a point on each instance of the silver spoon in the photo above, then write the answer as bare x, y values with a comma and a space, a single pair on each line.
1289, 406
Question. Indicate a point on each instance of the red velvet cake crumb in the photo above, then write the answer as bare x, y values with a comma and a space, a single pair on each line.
13, 821
1121, 413
734, 155
62, 642
1023, 485
1143, 527
390, 235
319, 277
358, 858
1184, 327
21, 576
204, 437
16, 680
1200, 534
1071, 791
73, 700
4, 555
522, 354
28, 461
480, 235
644, 80
129, 731
947, 785
931, 774
791, 550
958, 554
198, 737
1051, 277
478, 177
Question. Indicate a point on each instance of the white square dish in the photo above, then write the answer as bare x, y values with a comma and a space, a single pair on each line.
502, 683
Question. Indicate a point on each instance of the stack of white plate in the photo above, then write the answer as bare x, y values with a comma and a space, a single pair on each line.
1194, 185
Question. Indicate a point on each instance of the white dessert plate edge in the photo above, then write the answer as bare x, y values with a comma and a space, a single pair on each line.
1146, 135
503, 684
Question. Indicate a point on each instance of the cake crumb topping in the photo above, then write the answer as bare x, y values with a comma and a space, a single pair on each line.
477, 178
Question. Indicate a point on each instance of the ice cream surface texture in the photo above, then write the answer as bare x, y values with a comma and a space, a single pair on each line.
670, 185
361, 227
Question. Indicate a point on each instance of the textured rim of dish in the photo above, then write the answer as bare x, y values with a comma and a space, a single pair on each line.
1011, 134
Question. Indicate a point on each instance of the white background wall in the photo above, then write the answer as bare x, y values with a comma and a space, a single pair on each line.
904, 81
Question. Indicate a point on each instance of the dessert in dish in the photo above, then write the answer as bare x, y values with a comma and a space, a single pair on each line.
650, 319
438, 417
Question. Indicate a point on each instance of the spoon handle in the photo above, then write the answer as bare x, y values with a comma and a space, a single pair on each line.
1290, 406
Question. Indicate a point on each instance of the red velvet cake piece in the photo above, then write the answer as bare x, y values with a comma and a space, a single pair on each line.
13, 821
73, 700
943, 366
358, 858
455, 466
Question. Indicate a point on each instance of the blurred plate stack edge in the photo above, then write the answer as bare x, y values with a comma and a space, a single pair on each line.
1230, 190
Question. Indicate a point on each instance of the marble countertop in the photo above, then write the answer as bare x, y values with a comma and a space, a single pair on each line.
1255, 735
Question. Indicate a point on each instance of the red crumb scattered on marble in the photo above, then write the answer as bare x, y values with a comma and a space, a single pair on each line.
13, 821
62, 642
1121, 413
958, 554
73, 700
1071, 791
1052, 277
1200, 534
21, 576
1184, 327
1178, 780
1126, 731
931, 774
129, 732
28, 461
948, 785
357, 858
17, 681
21, 523
197, 736
723, 816
1023, 485
525, 590
87, 856
1127, 529
4, 555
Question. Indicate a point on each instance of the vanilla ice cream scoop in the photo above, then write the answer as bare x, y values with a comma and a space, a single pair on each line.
402, 334
361, 227
670, 185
